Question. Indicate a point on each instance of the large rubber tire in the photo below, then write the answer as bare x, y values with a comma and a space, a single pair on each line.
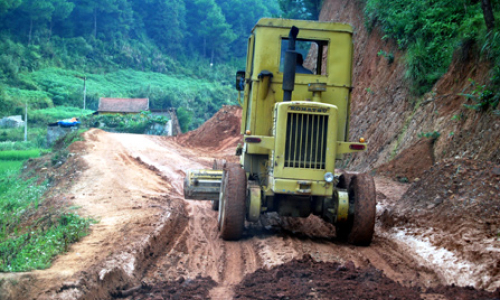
232, 206
345, 179
218, 165
360, 226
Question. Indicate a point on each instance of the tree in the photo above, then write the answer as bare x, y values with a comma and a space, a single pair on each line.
103, 16
6, 5
62, 10
242, 16
301, 9
164, 21
488, 14
209, 33
487, 8
37, 12
184, 116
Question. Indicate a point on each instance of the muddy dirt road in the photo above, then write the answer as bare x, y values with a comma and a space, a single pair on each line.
150, 243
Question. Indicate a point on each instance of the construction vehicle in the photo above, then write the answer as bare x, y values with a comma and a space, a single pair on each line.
295, 123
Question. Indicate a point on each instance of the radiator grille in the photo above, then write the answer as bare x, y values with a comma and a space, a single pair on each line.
306, 138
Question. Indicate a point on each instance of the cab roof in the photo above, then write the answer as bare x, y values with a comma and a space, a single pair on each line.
303, 24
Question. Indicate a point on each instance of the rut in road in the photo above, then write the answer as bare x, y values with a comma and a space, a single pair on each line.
149, 233
198, 250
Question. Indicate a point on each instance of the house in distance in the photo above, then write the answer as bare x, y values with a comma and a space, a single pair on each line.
122, 105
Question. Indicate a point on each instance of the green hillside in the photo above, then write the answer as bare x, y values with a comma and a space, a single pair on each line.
180, 53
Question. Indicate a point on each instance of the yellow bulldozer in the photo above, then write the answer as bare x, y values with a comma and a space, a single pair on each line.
295, 121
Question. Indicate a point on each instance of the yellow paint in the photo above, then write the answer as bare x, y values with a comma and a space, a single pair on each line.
343, 210
320, 104
293, 187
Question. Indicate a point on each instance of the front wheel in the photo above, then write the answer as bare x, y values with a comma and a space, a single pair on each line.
232, 207
360, 226
218, 165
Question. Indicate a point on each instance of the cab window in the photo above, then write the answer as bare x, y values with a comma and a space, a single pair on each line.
312, 57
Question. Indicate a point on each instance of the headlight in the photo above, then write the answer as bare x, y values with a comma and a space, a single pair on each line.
329, 177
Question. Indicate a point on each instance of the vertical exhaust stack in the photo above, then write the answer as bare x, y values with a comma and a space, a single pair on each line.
290, 62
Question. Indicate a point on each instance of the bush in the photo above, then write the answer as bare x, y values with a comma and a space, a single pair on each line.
482, 97
50, 115
130, 123
9, 145
429, 30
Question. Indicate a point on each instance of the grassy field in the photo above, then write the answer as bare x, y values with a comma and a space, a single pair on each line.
19, 154
26, 247
8, 167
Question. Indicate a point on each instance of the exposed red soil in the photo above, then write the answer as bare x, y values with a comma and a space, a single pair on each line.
392, 118
220, 131
197, 288
150, 237
459, 201
310, 279
411, 163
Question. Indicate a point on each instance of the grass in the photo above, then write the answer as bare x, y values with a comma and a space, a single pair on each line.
19, 154
53, 114
36, 248
17, 145
28, 242
8, 167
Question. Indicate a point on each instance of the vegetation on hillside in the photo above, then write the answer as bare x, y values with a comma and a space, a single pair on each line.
29, 240
176, 52
301, 9
432, 31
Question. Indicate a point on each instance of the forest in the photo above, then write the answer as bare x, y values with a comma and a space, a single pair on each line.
183, 53
175, 52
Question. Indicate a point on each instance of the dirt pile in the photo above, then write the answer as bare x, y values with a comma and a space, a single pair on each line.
197, 288
457, 189
310, 279
410, 164
455, 207
219, 132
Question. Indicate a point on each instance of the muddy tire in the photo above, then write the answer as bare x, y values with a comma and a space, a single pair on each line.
218, 165
232, 207
345, 179
360, 226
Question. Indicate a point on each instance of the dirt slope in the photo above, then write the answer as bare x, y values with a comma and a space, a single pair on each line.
392, 119
151, 243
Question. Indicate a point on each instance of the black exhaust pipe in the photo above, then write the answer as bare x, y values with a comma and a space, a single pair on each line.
290, 62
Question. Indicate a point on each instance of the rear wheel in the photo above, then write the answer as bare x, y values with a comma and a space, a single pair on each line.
360, 226
232, 203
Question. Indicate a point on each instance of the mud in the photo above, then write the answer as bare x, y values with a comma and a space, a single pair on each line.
309, 279
451, 216
196, 288
150, 243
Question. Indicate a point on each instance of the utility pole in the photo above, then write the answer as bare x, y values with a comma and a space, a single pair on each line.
84, 91
26, 122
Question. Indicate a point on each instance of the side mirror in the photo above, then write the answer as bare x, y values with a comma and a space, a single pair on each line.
240, 80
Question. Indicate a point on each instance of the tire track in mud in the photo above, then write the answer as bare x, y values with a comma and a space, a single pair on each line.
201, 252
197, 250
168, 237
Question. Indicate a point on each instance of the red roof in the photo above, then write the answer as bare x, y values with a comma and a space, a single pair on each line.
123, 105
